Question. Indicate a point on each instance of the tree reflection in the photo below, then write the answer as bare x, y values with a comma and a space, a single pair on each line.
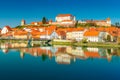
109, 51
44, 57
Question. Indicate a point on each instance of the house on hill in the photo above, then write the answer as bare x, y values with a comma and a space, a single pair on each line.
6, 29
64, 17
95, 36
67, 20
106, 22
48, 34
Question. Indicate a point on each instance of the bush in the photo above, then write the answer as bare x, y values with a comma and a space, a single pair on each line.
84, 40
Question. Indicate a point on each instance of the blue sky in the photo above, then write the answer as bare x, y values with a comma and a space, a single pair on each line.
13, 11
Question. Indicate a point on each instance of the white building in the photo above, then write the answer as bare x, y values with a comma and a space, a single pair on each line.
64, 17
6, 29
95, 36
48, 35
78, 35
92, 36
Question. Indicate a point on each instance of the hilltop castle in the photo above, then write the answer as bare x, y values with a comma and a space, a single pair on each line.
68, 20
106, 22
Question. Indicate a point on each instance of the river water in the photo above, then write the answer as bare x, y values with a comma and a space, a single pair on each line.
20, 62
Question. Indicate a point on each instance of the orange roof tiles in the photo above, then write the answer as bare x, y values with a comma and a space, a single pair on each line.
91, 33
21, 32
92, 54
92, 29
100, 29
61, 33
39, 51
63, 15
9, 28
67, 21
48, 32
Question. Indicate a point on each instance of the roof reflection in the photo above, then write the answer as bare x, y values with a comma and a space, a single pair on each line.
63, 55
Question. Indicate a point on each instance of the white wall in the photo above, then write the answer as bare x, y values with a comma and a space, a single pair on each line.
92, 38
4, 30
60, 19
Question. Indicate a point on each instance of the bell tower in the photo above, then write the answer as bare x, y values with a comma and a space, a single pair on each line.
23, 22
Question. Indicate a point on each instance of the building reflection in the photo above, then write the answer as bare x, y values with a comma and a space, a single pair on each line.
63, 55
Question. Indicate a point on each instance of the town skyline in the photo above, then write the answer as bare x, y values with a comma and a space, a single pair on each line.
34, 10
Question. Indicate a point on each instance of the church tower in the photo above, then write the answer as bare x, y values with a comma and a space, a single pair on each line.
108, 21
23, 22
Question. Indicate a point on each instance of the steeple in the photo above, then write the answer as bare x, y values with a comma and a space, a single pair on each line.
23, 22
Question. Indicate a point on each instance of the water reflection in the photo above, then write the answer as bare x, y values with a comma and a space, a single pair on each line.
64, 54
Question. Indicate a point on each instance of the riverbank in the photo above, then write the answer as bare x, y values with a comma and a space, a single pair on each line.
66, 42
90, 44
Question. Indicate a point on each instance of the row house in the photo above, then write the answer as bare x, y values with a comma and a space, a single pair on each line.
91, 34
20, 34
48, 35
76, 34
95, 36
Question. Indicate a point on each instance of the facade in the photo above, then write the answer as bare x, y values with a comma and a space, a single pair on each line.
20, 35
6, 29
61, 34
48, 35
75, 34
92, 36
96, 36
64, 17
66, 20
36, 23
106, 22
78, 35
69, 35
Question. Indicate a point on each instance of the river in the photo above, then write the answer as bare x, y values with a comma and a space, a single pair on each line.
20, 62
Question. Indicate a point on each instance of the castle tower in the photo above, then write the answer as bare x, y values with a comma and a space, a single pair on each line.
23, 22
50, 22
108, 20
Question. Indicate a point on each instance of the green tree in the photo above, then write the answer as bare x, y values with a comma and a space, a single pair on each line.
84, 40
44, 20
108, 38
76, 24
44, 57
109, 51
117, 24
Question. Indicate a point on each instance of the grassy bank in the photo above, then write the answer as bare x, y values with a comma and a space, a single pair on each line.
90, 44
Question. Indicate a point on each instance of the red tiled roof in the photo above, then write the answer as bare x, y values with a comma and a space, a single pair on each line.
92, 54
21, 32
92, 29
39, 51
67, 21
100, 29
48, 32
8, 27
91, 33
61, 33
63, 15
